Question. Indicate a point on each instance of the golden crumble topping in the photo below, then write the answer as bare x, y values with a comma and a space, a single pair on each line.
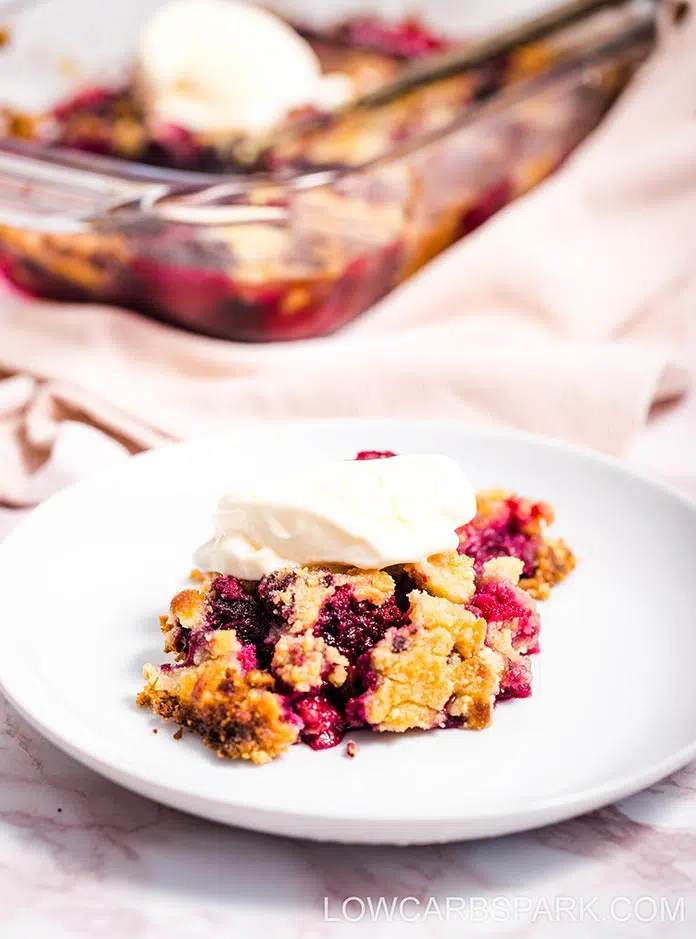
502, 568
555, 561
236, 714
198, 577
415, 681
304, 661
418, 666
88, 259
303, 594
499, 638
467, 630
188, 609
374, 586
476, 684
219, 643
448, 575
488, 501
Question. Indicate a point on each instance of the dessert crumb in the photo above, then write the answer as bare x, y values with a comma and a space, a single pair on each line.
179, 733
351, 749
154, 730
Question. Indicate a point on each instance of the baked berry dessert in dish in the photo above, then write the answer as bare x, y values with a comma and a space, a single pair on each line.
335, 219
207, 73
377, 594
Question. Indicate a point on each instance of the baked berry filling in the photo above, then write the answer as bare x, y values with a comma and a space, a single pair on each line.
375, 455
323, 726
506, 527
409, 39
232, 607
516, 681
501, 602
354, 626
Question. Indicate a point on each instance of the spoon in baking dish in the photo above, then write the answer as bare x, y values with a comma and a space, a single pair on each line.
257, 150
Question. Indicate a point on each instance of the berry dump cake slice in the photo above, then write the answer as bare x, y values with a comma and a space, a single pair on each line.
390, 650
307, 651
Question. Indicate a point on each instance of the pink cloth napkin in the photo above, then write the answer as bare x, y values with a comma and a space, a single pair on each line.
563, 315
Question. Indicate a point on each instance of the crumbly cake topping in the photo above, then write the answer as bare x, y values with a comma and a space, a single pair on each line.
414, 680
476, 683
465, 628
297, 596
555, 561
304, 662
417, 668
217, 644
188, 609
306, 653
502, 568
451, 576
499, 639
237, 715
488, 501
371, 586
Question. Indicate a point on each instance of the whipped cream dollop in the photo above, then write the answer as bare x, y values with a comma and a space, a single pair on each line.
226, 66
367, 514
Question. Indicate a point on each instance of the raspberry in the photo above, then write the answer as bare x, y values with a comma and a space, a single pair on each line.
323, 724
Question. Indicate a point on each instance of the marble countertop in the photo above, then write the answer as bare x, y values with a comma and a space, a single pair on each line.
80, 857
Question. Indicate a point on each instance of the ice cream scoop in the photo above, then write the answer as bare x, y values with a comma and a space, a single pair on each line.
226, 66
370, 514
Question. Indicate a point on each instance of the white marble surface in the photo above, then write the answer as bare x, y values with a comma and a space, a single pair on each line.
80, 857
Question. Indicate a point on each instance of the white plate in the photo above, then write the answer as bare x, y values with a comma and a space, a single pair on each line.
614, 704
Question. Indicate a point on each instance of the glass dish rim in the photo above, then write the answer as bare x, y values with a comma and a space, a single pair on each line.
213, 186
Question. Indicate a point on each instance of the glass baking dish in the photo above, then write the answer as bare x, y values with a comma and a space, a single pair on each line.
302, 252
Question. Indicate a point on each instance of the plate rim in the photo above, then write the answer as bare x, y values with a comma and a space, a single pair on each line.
260, 817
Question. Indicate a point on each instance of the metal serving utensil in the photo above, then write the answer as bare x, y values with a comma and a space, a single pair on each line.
251, 150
